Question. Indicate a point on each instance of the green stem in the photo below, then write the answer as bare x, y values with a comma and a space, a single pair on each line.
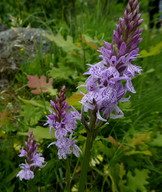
68, 180
74, 172
86, 158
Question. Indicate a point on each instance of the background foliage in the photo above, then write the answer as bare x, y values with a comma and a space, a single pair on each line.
127, 154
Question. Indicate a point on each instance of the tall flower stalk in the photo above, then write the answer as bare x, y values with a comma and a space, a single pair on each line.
33, 159
62, 121
110, 79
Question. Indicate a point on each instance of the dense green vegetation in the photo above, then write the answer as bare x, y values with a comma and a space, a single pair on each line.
127, 154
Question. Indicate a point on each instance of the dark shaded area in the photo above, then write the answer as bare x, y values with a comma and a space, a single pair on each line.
153, 11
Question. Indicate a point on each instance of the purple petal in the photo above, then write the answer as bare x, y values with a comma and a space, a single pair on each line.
118, 112
122, 48
23, 153
99, 116
133, 69
130, 87
25, 173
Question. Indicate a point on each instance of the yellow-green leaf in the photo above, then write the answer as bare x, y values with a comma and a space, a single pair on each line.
153, 50
74, 100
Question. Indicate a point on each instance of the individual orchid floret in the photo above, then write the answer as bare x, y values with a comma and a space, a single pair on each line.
25, 172
33, 159
62, 121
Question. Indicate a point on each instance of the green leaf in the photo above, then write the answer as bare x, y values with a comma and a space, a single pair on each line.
42, 133
81, 87
137, 180
74, 53
61, 73
153, 50
74, 100
32, 102
31, 114
140, 139
126, 106
157, 141
39, 133
113, 173
89, 39
133, 152
103, 148
52, 91
122, 180
67, 45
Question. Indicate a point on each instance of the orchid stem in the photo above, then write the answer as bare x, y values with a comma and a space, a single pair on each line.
68, 179
86, 159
